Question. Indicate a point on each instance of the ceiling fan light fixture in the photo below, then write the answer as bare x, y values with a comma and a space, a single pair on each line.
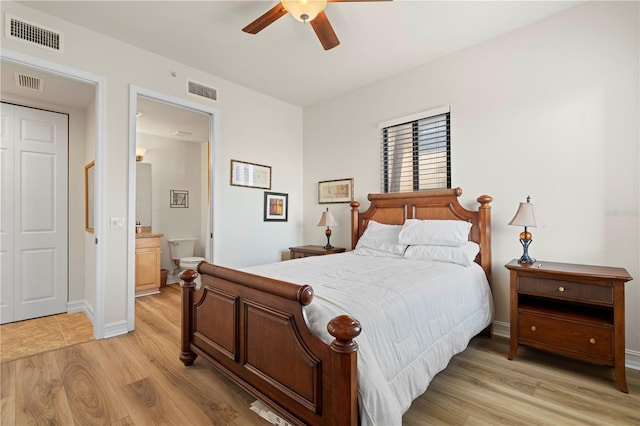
304, 10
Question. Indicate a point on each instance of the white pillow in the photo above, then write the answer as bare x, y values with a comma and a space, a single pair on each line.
435, 232
463, 255
380, 240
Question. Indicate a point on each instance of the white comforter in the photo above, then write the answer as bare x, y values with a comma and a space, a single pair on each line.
415, 316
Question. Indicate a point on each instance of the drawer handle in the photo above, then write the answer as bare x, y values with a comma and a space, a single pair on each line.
560, 289
592, 341
533, 328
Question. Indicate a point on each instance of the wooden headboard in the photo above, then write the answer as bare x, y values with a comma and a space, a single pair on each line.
395, 208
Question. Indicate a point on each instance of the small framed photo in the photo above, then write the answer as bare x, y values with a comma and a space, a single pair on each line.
335, 191
276, 207
250, 175
178, 199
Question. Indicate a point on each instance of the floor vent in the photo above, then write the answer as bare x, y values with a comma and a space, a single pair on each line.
20, 29
201, 90
30, 82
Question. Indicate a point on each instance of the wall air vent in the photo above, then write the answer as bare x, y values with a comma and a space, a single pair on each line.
201, 90
20, 29
29, 82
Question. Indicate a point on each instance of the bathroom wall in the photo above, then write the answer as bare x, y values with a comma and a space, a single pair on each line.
175, 165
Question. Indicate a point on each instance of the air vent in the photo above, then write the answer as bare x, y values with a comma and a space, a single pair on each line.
201, 90
29, 82
20, 29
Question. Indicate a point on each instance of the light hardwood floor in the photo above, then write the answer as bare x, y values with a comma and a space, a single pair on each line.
137, 379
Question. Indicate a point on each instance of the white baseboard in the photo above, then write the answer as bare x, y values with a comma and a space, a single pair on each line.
116, 329
110, 330
631, 358
80, 306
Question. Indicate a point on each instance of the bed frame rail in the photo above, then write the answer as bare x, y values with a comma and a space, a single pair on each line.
252, 329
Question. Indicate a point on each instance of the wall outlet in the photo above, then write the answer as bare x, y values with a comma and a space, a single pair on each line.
117, 223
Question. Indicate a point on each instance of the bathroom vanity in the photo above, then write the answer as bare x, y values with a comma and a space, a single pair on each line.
147, 263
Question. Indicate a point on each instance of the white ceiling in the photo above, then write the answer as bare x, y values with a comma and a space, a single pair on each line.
286, 60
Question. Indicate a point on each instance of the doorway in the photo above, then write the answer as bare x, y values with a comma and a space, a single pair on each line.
34, 148
172, 137
65, 80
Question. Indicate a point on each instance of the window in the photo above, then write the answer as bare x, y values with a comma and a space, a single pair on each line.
416, 152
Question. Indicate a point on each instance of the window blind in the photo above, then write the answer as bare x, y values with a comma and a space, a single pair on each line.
416, 155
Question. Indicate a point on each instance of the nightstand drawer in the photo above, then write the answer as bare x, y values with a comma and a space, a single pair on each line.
566, 335
565, 289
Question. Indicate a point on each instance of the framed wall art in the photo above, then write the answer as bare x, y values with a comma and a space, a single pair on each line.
335, 191
250, 175
178, 199
89, 189
276, 207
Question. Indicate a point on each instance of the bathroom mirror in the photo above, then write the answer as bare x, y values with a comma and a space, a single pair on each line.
143, 193
89, 185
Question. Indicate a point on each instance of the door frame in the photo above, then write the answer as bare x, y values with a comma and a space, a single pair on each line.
214, 166
100, 159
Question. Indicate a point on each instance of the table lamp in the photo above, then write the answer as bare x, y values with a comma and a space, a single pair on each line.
526, 216
327, 220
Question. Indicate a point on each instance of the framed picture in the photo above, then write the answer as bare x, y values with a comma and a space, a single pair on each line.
178, 199
335, 191
250, 175
276, 207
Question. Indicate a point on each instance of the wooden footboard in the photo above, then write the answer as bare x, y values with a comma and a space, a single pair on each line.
252, 329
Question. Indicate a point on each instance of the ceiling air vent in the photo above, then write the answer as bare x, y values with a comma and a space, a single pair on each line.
30, 82
20, 29
201, 90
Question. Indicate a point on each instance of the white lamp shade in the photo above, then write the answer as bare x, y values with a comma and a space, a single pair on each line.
304, 10
527, 216
327, 219
140, 150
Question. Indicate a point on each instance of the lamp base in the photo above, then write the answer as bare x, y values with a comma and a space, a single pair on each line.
525, 255
327, 232
526, 260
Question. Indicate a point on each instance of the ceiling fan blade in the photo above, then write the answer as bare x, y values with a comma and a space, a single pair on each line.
268, 18
324, 31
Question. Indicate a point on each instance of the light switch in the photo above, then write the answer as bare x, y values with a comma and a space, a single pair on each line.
117, 223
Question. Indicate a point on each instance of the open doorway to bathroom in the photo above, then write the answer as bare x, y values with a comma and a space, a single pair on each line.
173, 164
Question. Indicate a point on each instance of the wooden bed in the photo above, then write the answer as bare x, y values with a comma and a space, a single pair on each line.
252, 329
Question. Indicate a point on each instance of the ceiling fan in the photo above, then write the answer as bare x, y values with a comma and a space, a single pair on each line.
304, 11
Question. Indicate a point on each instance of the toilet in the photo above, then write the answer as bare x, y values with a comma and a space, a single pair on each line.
181, 250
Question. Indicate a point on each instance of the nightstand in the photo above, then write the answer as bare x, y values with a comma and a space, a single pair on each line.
572, 310
306, 251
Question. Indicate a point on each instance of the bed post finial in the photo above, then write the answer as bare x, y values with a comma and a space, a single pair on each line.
484, 215
355, 228
344, 374
187, 284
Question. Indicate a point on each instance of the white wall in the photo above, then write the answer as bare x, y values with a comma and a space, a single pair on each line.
175, 165
549, 110
254, 127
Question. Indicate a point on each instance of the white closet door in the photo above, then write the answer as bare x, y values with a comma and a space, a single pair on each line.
40, 281
6, 213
